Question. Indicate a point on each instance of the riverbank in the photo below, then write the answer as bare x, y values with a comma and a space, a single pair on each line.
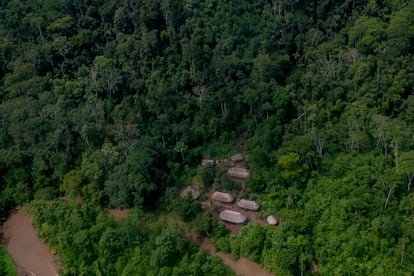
243, 266
7, 265
31, 255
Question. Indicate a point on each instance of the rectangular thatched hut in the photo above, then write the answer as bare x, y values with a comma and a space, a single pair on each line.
237, 157
248, 204
195, 193
238, 172
223, 197
207, 162
233, 217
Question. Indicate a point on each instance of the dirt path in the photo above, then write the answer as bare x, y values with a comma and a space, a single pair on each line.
32, 256
215, 207
242, 266
119, 213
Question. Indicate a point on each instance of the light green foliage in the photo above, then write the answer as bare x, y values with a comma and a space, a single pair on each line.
72, 182
290, 166
7, 265
88, 240
251, 242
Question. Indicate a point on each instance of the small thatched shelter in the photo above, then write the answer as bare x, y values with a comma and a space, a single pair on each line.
248, 204
195, 193
272, 220
207, 162
237, 157
223, 197
238, 172
233, 217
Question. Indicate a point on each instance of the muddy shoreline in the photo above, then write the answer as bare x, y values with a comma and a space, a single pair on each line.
32, 256
243, 266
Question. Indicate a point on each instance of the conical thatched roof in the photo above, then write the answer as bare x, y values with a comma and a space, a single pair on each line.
272, 220
195, 194
248, 204
223, 197
237, 157
233, 217
238, 172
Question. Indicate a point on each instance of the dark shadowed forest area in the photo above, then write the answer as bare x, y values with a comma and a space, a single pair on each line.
117, 102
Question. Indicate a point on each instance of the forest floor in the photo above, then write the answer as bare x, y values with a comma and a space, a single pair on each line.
31, 255
215, 207
119, 213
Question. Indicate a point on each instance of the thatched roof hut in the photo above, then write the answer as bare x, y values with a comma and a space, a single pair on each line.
224, 164
207, 162
272, 220
223, 197
195, 193
238, 172
237, 157
233, 217
248, 204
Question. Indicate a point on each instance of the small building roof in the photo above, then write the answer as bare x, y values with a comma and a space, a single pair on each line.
272, 220
195, 193
238, 172
232, 216
223, 197
237, 157
248, 204
207, 162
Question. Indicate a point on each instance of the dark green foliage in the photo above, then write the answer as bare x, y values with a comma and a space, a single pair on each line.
118, 101
223, 182
206, 174
187, 208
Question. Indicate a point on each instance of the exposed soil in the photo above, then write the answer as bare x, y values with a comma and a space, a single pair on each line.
215, 207
78, 200
31, 255
119, 213
242, 266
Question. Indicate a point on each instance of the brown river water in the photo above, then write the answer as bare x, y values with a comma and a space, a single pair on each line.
31, 255
242, 266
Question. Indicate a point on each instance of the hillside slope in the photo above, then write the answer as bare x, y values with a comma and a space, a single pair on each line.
118, 102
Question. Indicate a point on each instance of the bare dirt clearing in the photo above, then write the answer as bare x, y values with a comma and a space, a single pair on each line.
215, 207
119, 213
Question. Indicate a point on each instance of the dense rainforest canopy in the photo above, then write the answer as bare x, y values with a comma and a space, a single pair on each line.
118, 101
